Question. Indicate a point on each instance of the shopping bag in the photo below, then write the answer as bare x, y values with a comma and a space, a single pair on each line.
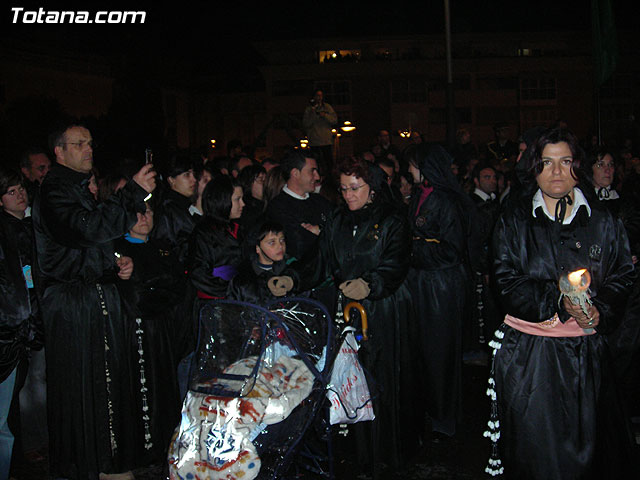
348, 391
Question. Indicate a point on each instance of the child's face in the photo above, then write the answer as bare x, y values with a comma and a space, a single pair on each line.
271, 248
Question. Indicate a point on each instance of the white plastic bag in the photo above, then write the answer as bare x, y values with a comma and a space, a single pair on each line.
348, 391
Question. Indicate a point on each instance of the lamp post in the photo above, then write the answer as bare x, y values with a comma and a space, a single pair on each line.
346, 127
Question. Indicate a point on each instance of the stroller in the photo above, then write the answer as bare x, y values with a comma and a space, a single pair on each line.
256, 405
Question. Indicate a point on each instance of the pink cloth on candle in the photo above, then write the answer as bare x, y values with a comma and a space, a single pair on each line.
549, 328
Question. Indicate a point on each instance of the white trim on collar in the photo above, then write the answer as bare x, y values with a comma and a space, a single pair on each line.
483, 195
286, 190
613, 195
578, 200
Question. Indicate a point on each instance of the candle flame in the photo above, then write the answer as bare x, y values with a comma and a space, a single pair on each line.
576, 277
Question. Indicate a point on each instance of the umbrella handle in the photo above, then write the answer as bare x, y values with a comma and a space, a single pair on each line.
363, 317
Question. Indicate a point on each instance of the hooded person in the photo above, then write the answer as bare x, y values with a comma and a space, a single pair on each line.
441, 217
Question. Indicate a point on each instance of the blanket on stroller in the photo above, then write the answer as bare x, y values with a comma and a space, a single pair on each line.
214, 439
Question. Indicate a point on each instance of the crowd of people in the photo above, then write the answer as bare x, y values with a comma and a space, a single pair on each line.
442, 247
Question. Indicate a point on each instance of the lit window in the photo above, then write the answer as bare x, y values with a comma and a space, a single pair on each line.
335, 56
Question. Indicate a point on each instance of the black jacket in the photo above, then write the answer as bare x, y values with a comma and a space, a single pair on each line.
173, 223
530, 255
158, 282
372, 243
73, 234
20, 322
213, 245
250, 284
439, 238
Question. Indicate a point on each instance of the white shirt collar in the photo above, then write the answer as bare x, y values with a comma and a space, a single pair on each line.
578, 201
484, 196
286, 190
613, 195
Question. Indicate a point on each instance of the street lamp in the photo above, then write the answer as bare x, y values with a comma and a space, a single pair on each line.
347, 126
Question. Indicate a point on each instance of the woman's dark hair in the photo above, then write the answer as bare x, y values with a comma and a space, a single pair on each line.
107, 186
355, 166
594, 157
207, 167
179, 164
248, 175
216, 199
553, 136
273, 183
9, 178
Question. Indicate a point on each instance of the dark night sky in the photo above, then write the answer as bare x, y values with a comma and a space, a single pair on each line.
210, 36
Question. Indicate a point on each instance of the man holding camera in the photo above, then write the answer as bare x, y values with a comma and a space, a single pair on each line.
319, 118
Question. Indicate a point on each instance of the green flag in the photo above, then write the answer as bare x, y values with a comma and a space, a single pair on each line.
605, 44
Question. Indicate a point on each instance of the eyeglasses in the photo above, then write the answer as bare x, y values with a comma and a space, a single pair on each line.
81, 144
344, 189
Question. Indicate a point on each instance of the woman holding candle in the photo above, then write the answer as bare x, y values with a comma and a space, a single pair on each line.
555, 401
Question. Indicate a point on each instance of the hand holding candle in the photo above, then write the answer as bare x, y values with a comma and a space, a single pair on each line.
575, 286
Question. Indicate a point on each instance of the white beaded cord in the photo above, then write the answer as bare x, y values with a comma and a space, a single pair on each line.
105, 315
494, 466
148, 444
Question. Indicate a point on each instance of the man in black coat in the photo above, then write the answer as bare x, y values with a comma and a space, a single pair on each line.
89, 404
485, 317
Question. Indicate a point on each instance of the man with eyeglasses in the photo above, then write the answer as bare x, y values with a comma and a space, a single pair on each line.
88, 387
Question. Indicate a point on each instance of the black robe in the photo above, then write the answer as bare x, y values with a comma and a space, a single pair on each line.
439, 281
373, 243
173, 223
89, 399
158, 319
557, 407
213, 246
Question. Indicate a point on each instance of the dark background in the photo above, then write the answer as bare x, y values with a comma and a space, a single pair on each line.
189, 44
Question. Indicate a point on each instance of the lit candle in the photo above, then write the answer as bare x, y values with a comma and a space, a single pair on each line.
575, 278
575, 285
